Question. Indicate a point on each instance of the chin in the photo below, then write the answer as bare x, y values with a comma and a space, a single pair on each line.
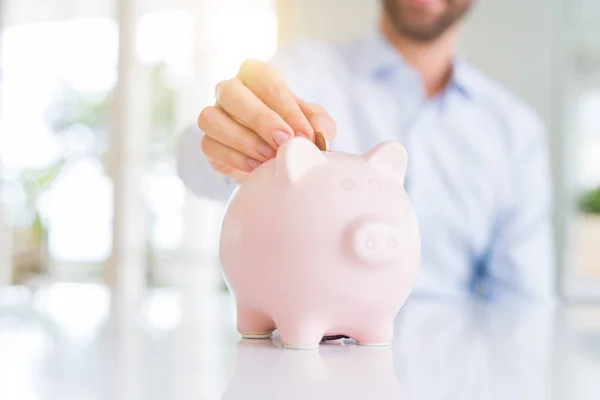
424, 20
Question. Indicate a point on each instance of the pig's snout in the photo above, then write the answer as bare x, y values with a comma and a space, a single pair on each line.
376, 242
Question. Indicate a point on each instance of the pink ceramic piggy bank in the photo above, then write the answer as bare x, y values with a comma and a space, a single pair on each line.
321, 243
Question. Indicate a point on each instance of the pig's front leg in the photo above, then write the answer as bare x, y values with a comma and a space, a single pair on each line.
300, 333
253, 323
374, 333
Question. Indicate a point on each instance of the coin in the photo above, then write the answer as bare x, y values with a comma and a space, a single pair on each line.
321, 141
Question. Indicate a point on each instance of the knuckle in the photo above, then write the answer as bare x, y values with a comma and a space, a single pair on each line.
205, 117
260, 74
319, 109
228, 91
219, 88
316, 109
218, 155
269, 88
261, 121
223, 90
290, 116
296, 120
250, 66
205, 145
219, 167
229, 160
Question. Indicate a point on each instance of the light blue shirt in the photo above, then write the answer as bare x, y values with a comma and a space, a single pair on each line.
478, 172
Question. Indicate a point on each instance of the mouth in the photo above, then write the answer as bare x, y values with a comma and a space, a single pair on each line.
428, 5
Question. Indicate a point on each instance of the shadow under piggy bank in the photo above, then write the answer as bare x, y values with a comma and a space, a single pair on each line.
265, 370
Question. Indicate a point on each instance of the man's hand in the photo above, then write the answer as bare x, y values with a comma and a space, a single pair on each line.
254, 114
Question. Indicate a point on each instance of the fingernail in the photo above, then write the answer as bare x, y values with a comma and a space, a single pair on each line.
279, 137
252, 163
265, 150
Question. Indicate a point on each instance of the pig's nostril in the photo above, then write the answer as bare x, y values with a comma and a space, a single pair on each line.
375, 242
370, 243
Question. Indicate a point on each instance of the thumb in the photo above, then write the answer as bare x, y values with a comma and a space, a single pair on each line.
319, 119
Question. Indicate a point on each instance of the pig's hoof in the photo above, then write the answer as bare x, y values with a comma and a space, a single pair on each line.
301, 346
262, 335
375, 344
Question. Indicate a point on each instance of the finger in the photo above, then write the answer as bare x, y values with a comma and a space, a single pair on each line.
227, 156
226, 170
319, 119
243, 106
217, 124
269, 86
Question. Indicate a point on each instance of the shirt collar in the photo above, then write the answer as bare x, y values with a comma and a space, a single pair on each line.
377, 58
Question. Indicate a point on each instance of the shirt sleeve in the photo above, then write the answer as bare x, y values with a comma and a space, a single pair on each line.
195, 171
521, 262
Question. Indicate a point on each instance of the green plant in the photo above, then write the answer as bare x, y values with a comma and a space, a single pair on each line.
75, 108
589, 202
92, 110
162, 109
30, 253
35, 182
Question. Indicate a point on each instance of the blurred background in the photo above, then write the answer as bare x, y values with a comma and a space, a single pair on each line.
93, 94
88, 188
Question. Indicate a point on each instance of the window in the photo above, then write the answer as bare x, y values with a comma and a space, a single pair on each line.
582, 142
58, 74
588, 167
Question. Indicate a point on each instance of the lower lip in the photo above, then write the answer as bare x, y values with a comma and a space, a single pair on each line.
426, 3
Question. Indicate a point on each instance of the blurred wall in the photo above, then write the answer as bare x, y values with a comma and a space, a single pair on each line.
515, 42
5, 234
27, 11
328, 19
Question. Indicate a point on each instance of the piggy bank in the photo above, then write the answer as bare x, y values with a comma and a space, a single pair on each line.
318, 244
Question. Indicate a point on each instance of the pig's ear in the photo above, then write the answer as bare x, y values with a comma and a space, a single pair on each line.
296, 157
390, 156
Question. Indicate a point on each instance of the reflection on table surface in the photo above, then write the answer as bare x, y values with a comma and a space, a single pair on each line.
264, 370
72, 342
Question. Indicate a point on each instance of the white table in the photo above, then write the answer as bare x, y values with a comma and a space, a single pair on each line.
71, 342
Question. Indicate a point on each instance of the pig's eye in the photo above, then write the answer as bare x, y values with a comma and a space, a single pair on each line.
373, 184
347, 184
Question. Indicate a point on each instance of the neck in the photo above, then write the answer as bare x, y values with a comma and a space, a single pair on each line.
433, 60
